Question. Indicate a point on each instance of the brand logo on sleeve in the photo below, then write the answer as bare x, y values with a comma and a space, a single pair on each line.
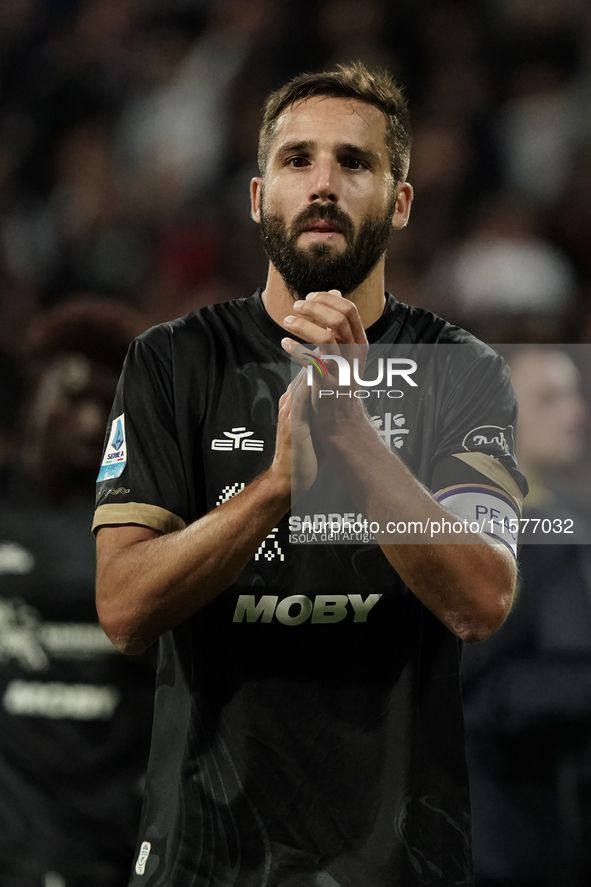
490, 436
237, 439
115, 455
140, 866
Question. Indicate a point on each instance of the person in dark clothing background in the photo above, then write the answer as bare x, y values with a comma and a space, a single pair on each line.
527, 690
74, 714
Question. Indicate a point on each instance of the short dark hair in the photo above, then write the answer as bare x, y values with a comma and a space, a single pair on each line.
352, 81
100, 329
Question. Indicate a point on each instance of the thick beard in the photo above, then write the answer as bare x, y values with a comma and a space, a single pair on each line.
319, 268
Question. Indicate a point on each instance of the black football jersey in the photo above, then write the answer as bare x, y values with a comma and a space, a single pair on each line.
308, 726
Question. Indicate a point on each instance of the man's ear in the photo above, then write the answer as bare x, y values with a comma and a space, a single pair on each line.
404, 195
256, 185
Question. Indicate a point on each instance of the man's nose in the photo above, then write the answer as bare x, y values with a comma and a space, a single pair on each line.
325, 184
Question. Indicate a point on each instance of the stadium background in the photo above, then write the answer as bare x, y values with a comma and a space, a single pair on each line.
128, 133
128, 136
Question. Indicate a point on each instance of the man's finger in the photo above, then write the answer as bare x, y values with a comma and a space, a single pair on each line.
325, 317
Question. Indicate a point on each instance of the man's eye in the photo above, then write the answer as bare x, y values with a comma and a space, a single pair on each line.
297, 162
353, 163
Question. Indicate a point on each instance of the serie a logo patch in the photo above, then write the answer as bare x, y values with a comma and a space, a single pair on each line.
115, 455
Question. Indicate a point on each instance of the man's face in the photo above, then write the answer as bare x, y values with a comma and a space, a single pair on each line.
328, 201
551, 409
69, 416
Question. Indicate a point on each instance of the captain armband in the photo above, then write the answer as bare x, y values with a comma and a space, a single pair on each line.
495, 512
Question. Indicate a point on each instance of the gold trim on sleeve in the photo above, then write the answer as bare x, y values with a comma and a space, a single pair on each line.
489, 467
151, 516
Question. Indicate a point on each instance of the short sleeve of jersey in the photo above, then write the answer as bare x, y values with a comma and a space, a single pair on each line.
141, 477
474, 468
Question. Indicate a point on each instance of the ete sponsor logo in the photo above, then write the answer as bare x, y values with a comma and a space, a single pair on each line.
490, 436
323, 609
237, 439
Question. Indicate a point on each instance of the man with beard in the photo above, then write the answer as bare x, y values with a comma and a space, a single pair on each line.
308, 725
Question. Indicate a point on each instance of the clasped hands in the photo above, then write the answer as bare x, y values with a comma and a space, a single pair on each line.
315, 415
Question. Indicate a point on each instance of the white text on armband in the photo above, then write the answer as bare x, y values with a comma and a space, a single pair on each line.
494, 511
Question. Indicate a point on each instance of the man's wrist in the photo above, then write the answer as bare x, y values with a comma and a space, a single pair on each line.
275, 486
348, 423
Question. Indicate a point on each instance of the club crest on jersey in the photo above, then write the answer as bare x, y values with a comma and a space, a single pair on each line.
237, 439
490, 436
390, 429
115, 455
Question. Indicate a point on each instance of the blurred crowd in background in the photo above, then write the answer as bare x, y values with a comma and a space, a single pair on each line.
128, 137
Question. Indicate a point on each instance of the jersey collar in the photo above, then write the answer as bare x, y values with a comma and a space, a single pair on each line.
390, 318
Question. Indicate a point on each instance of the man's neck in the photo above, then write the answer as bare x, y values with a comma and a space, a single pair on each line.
368, 297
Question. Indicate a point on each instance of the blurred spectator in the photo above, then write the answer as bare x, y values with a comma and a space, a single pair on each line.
83, 236
76, 68
527, 690
349, 31
75, 715
18, 305
551, 415
128, 135
458, 24
538, 132
442, 156
575, 214
503, 268
173, 134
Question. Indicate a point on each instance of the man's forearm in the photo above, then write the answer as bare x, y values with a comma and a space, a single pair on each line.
468, 586
149, 586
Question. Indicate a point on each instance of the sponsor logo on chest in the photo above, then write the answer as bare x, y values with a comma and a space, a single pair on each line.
237, 439
322, 609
